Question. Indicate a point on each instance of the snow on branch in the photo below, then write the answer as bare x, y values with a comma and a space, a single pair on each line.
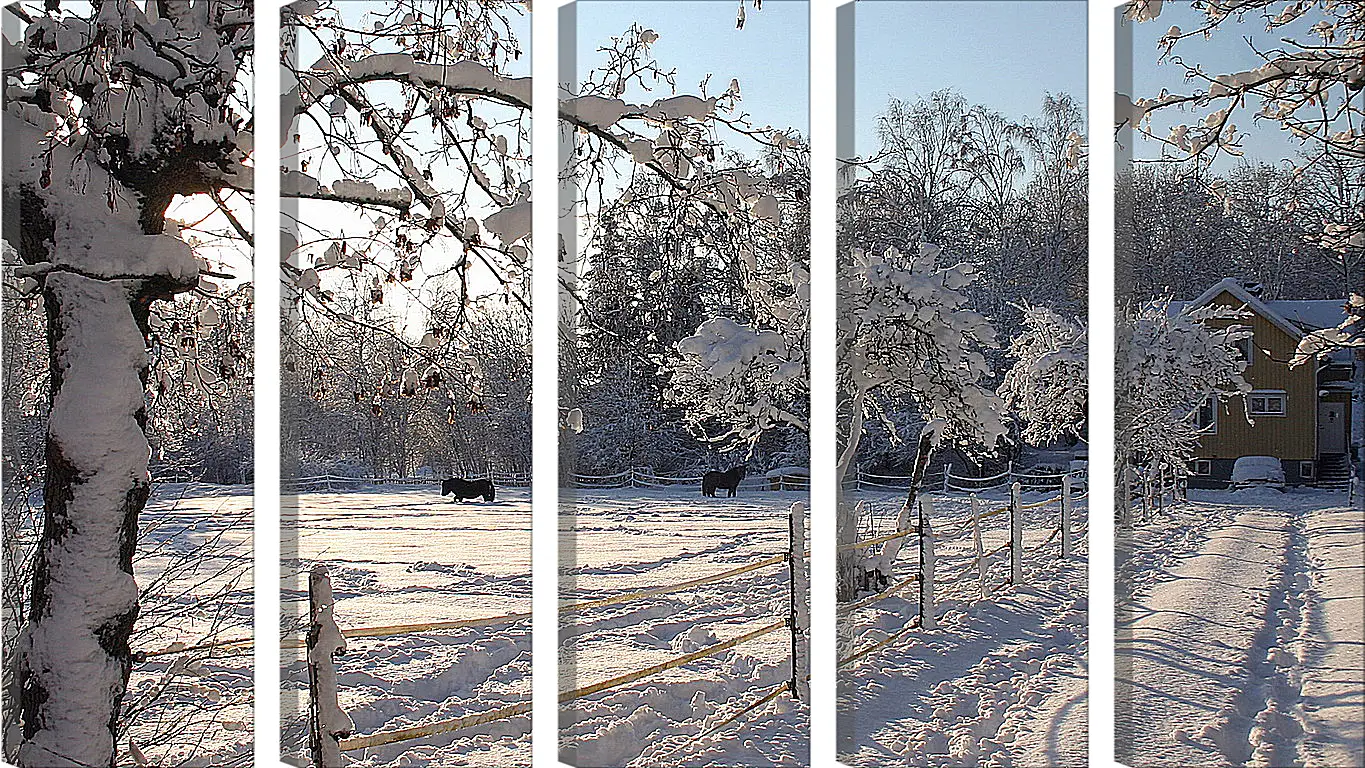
906, 330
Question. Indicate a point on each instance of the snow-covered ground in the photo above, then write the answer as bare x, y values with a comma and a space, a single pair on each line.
404, 555
998, 682
621, 541
193, 568
1241, 637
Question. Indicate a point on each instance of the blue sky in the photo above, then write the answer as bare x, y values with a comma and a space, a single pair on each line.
1005, 54
770, 56
1226, 51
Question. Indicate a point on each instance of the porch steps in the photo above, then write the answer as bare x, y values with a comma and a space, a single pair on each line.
1334, 471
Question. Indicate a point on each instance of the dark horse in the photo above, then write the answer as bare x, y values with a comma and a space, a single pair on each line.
467, 489
729, 480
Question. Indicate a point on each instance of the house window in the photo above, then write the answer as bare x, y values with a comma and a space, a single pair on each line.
1202, 467
1245, 348
1306, 470
1268, 404
1206, 418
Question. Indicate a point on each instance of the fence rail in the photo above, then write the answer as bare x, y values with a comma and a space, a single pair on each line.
327, 719
1144, 492
641, 477
944, 480
978, 562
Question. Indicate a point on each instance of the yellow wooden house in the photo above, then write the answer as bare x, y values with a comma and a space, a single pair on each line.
1300, 415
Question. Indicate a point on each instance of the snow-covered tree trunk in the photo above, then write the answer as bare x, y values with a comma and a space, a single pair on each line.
113, 111
848, 563
74, 658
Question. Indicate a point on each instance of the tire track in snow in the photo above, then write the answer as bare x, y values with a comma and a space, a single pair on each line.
1182, 652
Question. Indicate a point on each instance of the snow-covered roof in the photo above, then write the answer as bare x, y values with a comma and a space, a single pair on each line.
1312, 314
1294, 317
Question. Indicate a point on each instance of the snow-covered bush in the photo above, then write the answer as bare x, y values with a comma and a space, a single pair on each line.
1169, 366
1047, 388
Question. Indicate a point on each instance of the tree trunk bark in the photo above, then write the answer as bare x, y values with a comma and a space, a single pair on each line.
74, 659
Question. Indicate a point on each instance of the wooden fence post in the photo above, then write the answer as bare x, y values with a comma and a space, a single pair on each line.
978, 551
1066, 516
328, 723
799, 618
926, 565
1016, 535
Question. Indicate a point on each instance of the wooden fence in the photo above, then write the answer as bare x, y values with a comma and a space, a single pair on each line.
333, 741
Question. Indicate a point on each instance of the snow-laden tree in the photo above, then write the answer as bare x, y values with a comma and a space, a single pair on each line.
1169, 367
1007, 190
1178, 225
113, 112
1046, 389
646, 286
1308, 81
630, 149
907, 332
743, 375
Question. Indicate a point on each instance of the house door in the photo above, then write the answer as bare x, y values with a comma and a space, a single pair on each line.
1331, 428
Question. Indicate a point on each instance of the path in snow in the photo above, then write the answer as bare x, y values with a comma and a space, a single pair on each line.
1232, 646
404, 555
1000, 682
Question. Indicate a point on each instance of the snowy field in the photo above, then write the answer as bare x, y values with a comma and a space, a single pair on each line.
616, 542
404, 555
998, 682
1241, 633
193, 568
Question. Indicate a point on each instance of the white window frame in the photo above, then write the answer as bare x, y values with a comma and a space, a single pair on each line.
1265, 394
1312, 470
1202, 467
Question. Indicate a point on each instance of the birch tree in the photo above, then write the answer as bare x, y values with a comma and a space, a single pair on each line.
906, 331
